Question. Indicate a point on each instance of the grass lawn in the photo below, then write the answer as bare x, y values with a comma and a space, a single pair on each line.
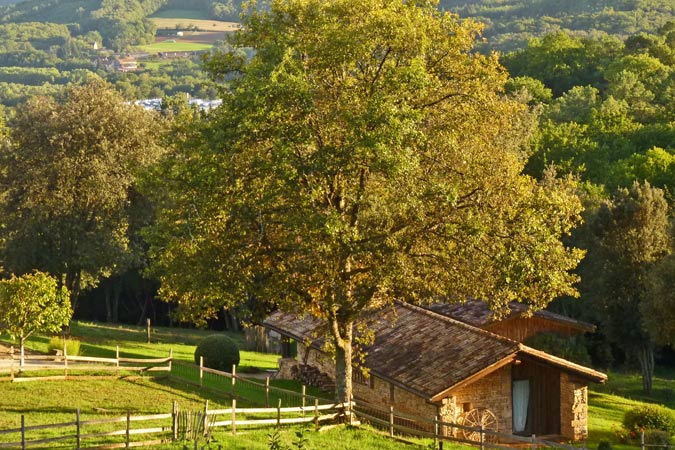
608, 403
167, 46
183, 23
102, 339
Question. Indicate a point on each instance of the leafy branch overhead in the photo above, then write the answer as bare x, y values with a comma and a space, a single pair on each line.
354, 162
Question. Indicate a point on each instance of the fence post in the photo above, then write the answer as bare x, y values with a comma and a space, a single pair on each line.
481, 436
77, 422
267, 392
534, 442
201, 371
23, 432
316, 414
351, 402
206, 417
117, 356
391, 421
65, 359
304, 398
642, 440
170, 358
174, 422
435, 431
234, 379
234, 416
128, 428
279, 414
147, 332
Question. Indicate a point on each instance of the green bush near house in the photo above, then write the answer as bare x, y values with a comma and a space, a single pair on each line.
56, 343
219, 352
649, 417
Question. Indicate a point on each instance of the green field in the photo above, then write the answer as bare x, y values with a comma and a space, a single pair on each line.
181, 14
199, 24
174, 47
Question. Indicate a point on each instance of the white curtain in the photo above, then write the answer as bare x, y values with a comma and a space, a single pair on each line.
521, 397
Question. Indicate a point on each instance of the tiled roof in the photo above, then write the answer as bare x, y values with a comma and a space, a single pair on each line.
479, 314
424, 352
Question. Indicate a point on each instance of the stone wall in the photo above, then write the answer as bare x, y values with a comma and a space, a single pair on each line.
573, 408
492, 392
383, 394
315, 358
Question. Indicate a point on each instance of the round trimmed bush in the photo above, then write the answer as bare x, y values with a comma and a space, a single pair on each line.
649, 417
219, 352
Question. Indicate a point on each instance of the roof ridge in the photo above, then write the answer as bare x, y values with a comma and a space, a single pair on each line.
445, 318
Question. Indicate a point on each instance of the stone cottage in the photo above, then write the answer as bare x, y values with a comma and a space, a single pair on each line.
428, 364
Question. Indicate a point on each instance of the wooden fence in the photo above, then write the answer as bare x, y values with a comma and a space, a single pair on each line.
68, 363
241, 387
411, 425
173, 426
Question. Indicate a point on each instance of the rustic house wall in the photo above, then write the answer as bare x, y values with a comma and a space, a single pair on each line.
384, 394
492, 392
573, 408
315, 358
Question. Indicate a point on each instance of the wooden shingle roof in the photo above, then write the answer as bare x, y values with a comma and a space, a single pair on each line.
479, 314
418, 350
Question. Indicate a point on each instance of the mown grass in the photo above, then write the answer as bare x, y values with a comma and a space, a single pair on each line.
174, 47
623, 391
184, 23
101, 340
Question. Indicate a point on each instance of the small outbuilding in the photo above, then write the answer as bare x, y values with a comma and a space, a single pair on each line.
428, 364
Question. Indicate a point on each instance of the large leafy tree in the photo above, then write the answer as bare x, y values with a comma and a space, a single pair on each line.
633, 239
69, 169
363, 153
32, 302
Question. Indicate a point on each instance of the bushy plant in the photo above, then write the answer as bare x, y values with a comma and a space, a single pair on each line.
649, 417
219, 352
56, 343
657, 438
604, 445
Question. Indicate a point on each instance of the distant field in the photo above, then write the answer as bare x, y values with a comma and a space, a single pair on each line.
181, 14
174, 47
183, 23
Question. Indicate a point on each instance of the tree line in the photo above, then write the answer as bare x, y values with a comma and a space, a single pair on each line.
332, 182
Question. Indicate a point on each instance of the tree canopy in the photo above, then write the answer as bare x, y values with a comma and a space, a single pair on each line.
69, 169
32, 303
358, 161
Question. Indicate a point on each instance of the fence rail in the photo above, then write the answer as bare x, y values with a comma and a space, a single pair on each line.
173, 428
394, 422
64, 362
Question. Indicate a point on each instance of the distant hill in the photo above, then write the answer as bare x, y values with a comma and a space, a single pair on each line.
511, 23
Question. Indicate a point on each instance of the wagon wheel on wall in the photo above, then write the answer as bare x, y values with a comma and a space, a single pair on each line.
479, 418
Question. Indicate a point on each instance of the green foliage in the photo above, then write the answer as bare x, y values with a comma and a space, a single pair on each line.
31, 303
605, 445
658, 438
69, 171
335, 181
571, 348
57, 342
219, 352
649, 417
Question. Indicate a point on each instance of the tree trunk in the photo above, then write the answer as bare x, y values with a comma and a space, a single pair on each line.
646, 359
108, 302
343, 364
22, 340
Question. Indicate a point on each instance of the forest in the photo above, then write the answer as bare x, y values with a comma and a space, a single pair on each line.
583, 136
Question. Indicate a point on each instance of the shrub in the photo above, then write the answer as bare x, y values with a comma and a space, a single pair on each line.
657, 438
219, 352
649, 417
56, 343
604, 445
